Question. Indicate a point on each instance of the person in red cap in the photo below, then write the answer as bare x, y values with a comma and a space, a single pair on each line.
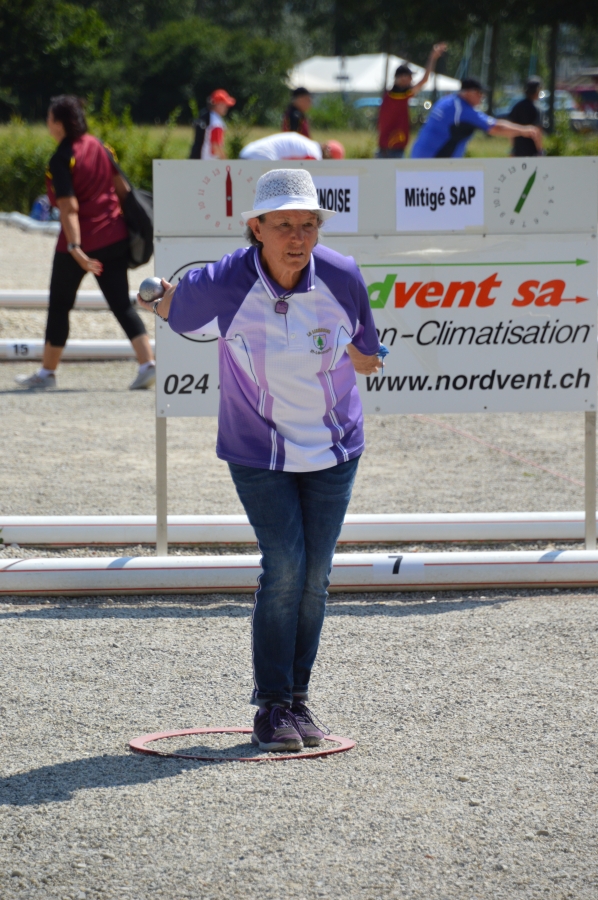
210, 127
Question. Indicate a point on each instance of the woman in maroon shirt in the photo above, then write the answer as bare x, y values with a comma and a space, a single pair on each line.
83, 183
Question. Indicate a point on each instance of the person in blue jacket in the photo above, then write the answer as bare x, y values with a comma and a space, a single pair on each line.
454, 119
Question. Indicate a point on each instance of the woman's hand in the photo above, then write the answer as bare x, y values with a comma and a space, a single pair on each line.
86, 262
363, 365
163, 306
69, 219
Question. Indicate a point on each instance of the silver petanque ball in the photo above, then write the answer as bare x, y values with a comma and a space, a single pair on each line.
151, 289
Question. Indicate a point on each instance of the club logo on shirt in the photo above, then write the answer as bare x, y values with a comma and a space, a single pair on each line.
320, 338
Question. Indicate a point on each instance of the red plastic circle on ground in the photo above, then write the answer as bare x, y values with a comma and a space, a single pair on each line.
138, 745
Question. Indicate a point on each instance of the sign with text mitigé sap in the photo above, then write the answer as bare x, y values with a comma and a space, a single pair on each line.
439, 201
511, 326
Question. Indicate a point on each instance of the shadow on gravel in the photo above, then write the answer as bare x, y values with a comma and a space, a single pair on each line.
58, 783
24, 393
337, 606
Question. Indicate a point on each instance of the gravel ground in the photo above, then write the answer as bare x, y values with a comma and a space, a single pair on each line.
475, 714
84, 323
474, 774
102, 435
26, 262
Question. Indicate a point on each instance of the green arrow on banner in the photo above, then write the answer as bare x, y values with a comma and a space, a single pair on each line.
542, 262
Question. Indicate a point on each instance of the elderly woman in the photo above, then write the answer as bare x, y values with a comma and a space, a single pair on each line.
294, 324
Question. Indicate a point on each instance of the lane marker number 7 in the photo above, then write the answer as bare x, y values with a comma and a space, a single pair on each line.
398, 560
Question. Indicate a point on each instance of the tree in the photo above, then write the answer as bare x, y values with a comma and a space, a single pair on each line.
187, 59
45, 48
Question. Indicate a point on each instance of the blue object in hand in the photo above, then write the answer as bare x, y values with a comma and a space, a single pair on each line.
382, 353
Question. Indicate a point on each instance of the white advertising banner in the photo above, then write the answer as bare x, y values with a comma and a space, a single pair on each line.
187, 378
492, 318
439, 201
186, 374
511, 326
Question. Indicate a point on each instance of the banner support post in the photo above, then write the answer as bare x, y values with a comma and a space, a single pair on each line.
590, 479
162, 488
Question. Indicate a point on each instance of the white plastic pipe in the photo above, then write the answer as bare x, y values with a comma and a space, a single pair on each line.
26, 223
72, 531
351, 572
22, 299
21, 349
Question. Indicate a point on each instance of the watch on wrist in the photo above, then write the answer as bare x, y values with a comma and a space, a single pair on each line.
71, 247
155, 310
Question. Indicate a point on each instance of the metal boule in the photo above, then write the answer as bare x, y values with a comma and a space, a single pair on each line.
151, 289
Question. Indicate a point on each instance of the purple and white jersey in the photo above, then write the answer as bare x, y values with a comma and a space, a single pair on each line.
288, 394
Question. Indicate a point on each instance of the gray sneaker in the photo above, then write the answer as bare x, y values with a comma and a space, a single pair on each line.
275, 729
144, 380
310, 728
37, 382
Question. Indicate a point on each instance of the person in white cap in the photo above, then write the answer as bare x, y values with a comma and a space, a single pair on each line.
291, 145
294, 325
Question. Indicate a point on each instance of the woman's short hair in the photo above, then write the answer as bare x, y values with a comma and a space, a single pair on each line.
68, 110
250, 236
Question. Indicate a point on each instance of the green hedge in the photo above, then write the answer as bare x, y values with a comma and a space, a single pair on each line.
24, 155
566, 142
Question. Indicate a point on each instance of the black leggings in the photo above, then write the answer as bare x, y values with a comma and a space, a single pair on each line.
67, 275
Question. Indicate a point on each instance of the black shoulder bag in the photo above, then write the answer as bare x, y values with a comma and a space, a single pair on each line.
138, 211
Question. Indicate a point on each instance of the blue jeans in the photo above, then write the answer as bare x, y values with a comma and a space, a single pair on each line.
297, 518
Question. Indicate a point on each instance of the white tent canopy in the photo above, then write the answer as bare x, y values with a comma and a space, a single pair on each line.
364, 74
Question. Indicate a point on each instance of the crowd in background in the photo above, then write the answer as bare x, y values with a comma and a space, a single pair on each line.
450, 125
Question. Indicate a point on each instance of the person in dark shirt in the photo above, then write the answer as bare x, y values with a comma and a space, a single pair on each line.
83, 183
295, 118
526, 113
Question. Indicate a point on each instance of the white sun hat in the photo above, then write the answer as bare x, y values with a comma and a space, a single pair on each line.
282, 189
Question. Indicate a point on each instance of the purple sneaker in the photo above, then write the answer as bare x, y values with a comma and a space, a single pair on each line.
275, 728
313, 734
